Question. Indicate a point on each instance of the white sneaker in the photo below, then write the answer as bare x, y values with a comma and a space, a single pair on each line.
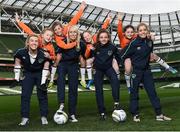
136, 118
163, 118
24, 122
61, 108
44, 120
72, 118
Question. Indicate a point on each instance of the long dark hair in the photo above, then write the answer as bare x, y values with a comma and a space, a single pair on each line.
98, 43
128, 26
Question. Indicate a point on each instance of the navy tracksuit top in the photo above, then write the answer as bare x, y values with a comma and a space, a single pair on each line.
104, 56
139, 51
72, 54
37, 66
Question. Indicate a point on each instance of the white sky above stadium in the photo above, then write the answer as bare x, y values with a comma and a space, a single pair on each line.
137, 6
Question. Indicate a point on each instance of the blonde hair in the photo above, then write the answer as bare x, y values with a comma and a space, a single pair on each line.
142, 24
47, 29
74, 28
28, 38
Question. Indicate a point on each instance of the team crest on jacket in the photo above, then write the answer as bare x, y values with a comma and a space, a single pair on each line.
110, 52
77, 49
133, 76
24, 57
40, 60
98, 53
139, 48
150, 43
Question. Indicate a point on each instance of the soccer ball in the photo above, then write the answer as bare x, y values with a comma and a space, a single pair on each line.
119, 115
60, 117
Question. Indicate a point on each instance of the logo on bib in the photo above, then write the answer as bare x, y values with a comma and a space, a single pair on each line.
150, 44
133, 76
110, 52
40, 60
138, 48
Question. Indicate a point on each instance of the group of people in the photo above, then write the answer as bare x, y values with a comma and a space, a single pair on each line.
39, 58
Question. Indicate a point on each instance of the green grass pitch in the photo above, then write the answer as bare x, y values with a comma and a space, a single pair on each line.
88, 116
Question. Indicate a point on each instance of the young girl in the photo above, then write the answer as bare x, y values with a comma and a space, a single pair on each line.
90, 41
33, 60
60, 32
103, 55
139, 51
69, 66
125, 38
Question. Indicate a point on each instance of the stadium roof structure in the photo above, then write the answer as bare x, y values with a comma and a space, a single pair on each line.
42, 13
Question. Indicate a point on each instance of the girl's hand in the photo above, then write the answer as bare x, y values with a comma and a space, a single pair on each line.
17, 18
92, 48
151, 36
109, 16
83, 4
47, 55
119, 16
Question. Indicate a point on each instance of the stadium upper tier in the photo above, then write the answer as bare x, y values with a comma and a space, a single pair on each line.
42, 13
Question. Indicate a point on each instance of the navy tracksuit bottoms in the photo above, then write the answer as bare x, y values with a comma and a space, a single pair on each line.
144, 76
70, 69
98, 81
31, 79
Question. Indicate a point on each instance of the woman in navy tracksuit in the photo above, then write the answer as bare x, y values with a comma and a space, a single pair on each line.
33, 61
103, 55
139, 51
69, 65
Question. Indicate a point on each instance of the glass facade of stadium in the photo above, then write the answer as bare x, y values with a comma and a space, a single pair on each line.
42, 13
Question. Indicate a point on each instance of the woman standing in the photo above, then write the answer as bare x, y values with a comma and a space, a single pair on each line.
125, 36
139, 51
69, 66
33, 60
103, 55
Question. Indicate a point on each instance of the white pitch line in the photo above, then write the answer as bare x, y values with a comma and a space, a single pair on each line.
80, 89
11, 90
51, 91
105, 89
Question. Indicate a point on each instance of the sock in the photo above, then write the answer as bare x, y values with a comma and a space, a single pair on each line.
45, 73
17, 72
162, 63
127, 78
89, 72
53, 72
83, 70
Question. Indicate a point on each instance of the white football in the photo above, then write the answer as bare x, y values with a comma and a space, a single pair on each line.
119, 115
60, 117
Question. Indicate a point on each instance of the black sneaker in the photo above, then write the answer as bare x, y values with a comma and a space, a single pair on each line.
15, 83
141, 86
102, 117
43, 87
